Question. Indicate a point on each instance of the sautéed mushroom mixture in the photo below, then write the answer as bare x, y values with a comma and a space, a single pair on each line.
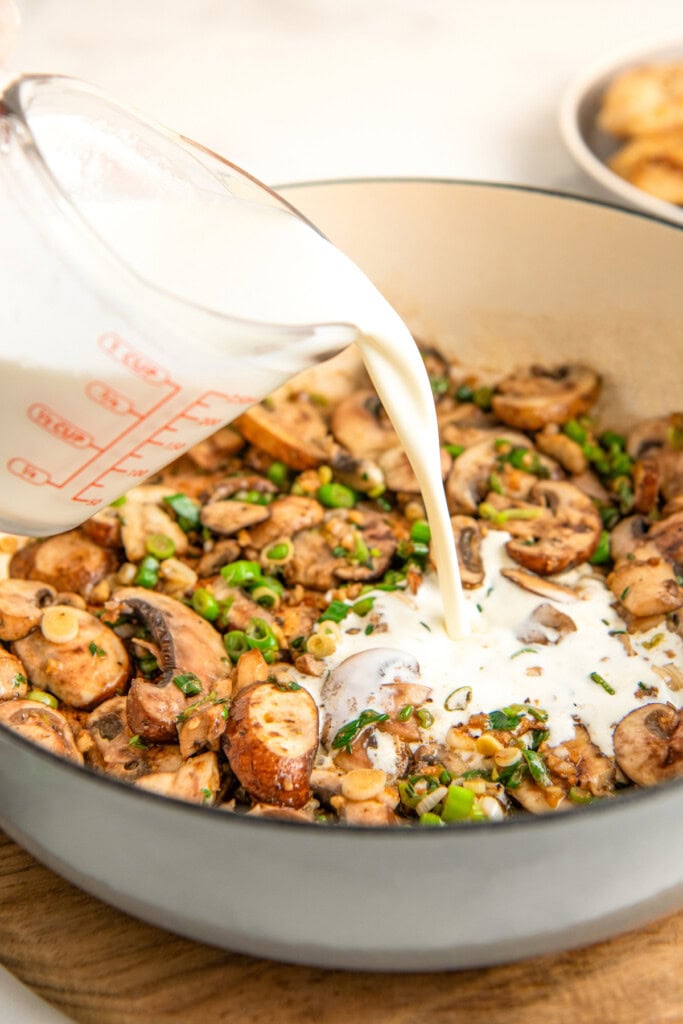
258, 629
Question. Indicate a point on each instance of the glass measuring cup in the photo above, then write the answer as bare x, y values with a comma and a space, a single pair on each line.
136, 268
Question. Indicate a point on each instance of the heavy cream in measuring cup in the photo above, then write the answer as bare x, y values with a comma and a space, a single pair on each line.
106, 379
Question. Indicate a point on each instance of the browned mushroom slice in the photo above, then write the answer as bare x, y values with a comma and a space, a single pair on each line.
13, 681
187, 644
648, 436
68, 561
360, 473
82, 672
370, 813
287, 516
279, 813
646, 484
541, 586
312, 563
464, 423
104, 528
646, 586
232, 485
534, 397
553, 442
21, 606
648, 744
468, 480
379, 539
467, 534
399, 474
271, 740
667, 537
203, 729
545, 625
215, 452
140, 520
539, 800
361, 425
562, 537
227, 517
111, 749
628, 535
579, 762
222, 553
292, 431
373, 748
42, 725
197, 780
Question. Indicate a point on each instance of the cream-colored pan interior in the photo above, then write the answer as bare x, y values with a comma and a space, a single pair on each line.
500, 276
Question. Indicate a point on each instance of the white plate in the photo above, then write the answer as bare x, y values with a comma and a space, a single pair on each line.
590, 147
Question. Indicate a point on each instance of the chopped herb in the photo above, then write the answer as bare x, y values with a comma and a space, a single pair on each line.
454, 450
653, 641
501, 720
135, 741
624, 594
96, 651
118, 502
464, 393
335, 612
347, 734
523, 650
602, 553
364, 606
405, 712
428, 628
188, 684
369, 629
479, 608
597, 678
19, 679
206, 795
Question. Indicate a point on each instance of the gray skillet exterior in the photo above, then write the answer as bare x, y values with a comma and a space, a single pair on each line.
502, 275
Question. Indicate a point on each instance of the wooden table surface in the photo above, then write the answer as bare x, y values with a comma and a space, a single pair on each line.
99, 966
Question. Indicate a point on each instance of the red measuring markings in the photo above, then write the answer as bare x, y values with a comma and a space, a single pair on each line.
28, 472
134, 361
57, 425
109, 398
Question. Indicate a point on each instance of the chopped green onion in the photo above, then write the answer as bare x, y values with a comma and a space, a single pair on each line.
488, 511
135, 741
118, 502
42, 697
267, 597
458, 699
602, 553
334, 495
439, 385
430, 820
537, 768
425, 718
160, 546
335, 612
575, 431
483, 398
597, 678
420, 531
454, 450
505, 720
405, 712
241, 573
279, 553
96, 651
523, 650
580, 796
186, 510
653, 641
260, 635
188, 684
148, 573
19, 679
464, 393
205, 604
278, 474
236, 643
458, 804
364, 606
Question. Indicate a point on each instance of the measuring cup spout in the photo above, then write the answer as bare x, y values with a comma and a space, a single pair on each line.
157, 291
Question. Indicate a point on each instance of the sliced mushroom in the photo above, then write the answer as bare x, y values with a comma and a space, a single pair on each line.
579, 762
648, 436
468, 481
21, 606
646, 484
565, 533
362, 682
464, 424
215, 452
375, 749
312, 564
541, 586
592, 487
187, 644
202, 730
534, 397
13, 681
551, 441
648, 744
42, 725
228, 517
379, 539
104, 528
197, 780
221, 553
292, 431
67, 561
271, 741
667, 537
230, 486
646, 586
627, 536
287, 516
360, 424
355, 471
368, 813
115, 750
82, 672
142, 519
467, 534
399, 474
261, 810
545, 625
